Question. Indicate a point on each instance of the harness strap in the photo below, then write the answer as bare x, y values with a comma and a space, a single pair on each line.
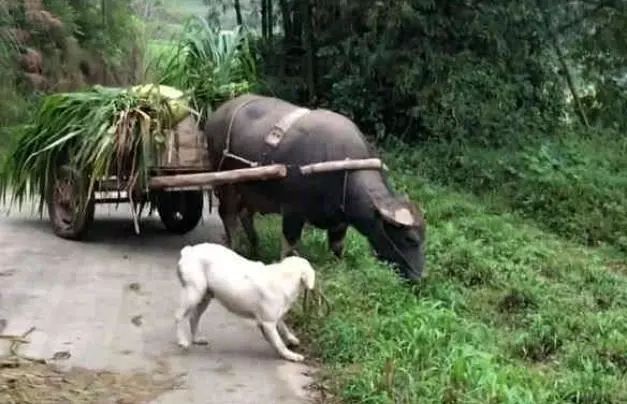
280, 128
273, 139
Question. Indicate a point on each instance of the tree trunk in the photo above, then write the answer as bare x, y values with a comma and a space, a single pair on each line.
287, 31
264, 19
562, 60
297, 22
238, 13
569, 80
270, 18
310, 50
286, 17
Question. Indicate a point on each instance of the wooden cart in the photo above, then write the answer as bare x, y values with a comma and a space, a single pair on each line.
176, 184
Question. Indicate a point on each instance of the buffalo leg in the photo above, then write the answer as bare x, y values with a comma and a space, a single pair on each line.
248, 223
336, 236
292, 229
228, 212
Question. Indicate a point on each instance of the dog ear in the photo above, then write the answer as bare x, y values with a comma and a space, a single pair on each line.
308, 277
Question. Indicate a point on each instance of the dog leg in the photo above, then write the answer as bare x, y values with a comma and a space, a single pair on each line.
269, 331
286, 333
195, 318
190, 298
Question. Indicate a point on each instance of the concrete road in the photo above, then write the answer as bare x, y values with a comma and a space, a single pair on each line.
110, 301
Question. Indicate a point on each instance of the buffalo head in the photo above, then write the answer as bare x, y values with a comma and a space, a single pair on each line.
398, 235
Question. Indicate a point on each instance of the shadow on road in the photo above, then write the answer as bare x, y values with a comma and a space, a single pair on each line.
116, 229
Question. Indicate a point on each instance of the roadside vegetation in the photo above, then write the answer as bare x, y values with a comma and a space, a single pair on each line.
509, 311
504, 120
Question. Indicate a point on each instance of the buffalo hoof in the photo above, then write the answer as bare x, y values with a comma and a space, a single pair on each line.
338, 252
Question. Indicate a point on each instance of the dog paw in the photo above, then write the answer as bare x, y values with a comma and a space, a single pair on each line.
293, 341
183, 344
201, 341
294, 357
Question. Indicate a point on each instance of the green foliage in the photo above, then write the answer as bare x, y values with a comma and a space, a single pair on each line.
573, 186
12, 104
602, 56
99, 132
211, 64
448, 70
486, 72
78, 42
507, 313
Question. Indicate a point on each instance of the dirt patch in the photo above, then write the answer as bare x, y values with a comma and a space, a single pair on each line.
24, 379
39, 383
7, 272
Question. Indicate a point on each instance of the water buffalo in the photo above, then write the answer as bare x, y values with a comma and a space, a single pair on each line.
332, 201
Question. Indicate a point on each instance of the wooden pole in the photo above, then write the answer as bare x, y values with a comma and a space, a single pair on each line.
328, 166
270, 172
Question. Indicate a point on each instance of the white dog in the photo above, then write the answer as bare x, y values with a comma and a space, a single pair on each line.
250, 289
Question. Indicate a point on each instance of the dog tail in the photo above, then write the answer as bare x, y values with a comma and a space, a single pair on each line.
185, 251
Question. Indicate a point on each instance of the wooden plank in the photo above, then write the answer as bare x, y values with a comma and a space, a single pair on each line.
328, 166
269, 172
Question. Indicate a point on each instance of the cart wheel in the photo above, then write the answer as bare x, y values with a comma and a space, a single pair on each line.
180, 211
66, 200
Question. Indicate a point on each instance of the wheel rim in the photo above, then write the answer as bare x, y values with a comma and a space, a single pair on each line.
178, 203
66, 202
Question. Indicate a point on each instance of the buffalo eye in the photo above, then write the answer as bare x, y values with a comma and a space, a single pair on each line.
411, 239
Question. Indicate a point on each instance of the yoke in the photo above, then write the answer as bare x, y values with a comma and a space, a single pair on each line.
257, 170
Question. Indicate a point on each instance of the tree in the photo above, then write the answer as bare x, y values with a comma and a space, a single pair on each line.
238, 13
424, 68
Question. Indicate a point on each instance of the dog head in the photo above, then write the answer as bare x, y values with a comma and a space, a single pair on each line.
307, 273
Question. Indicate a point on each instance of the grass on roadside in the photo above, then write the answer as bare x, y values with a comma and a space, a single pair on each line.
573, 186
508, 313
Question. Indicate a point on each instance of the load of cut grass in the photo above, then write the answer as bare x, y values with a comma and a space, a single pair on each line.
99, 132
212, 64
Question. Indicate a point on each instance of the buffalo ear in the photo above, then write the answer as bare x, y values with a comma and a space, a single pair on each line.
395, 211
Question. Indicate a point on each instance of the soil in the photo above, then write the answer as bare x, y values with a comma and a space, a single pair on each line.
45, 383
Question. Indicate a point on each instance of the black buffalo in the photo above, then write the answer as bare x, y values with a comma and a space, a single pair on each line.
363, 199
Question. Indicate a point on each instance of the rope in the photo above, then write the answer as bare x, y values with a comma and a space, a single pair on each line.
398, 251
227, 146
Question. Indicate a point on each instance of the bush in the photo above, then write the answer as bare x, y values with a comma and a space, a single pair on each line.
573, 186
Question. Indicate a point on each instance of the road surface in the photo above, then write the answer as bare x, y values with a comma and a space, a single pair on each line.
110, 303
